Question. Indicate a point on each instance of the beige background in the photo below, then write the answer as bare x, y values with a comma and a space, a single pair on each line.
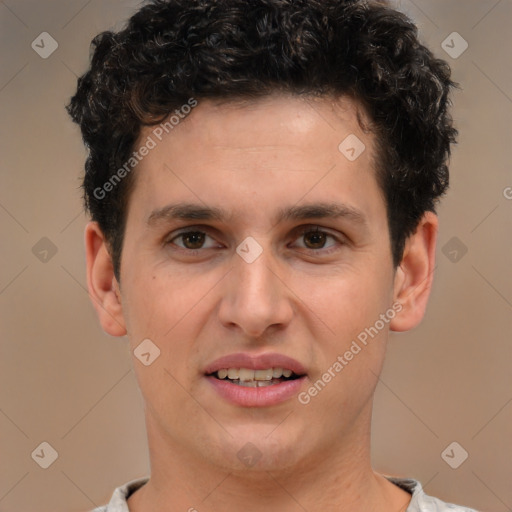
63, 381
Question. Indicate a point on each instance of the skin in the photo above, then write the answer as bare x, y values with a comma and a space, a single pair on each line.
301, 297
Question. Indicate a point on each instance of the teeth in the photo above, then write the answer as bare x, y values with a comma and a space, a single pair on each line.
255, 383
277, 372
248, 384
263, 374
263, 383
247, 376
232, 373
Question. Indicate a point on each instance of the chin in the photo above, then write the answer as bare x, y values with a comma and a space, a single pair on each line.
258, 449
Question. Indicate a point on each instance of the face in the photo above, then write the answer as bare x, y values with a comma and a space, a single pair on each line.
284, 264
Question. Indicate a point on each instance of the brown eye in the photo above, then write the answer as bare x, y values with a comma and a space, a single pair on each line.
192, 239
317, 239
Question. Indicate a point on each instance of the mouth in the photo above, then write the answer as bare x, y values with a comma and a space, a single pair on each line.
256, 381
249, 378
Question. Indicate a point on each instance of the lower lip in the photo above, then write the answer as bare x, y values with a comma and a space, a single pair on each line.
256, 397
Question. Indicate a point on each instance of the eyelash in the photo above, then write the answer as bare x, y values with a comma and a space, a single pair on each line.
303, 230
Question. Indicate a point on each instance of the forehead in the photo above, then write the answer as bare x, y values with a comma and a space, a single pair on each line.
278, 147
271, 118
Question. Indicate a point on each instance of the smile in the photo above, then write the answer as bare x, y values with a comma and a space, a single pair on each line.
255, 378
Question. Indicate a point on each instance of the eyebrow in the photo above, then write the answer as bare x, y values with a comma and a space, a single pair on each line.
191, 211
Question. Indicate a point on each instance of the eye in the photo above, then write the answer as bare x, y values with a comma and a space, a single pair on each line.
192, 240
315, 238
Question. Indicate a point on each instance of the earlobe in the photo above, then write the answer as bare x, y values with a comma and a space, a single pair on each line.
102, 283
413, 278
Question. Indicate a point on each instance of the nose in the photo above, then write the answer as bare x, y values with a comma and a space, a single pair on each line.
256, 298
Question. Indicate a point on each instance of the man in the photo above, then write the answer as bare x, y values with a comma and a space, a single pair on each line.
262, 178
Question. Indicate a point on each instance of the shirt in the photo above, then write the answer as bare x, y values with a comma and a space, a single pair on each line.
420, 502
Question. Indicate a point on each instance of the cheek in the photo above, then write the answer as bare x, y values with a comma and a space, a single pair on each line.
162, 310
348, 302
160, 301
351, 306
169, 309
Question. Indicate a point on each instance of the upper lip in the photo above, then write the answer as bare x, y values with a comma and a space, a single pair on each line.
255, 362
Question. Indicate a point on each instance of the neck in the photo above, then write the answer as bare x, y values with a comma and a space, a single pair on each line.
335, 479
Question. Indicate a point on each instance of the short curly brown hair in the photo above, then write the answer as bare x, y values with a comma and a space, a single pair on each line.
174, 50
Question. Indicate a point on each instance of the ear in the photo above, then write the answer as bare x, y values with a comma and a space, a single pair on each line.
413, 278
102, 283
